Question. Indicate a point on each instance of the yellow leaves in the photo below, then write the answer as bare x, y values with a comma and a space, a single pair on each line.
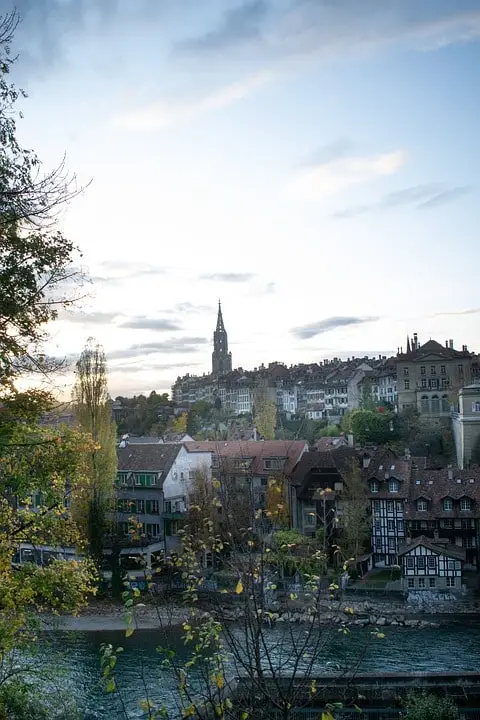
216, 484
218, 680
313, 687
239, 588
327, 715
189, 711
129, 631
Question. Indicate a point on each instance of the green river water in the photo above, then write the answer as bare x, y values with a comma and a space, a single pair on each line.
76, 657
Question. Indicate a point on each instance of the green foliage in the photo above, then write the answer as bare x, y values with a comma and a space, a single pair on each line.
370, 426
330, 431
423, 706
93, 412
142, 415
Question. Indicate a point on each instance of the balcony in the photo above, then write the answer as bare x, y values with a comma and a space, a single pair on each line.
173, 515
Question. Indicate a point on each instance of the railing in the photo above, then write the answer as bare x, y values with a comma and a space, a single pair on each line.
366, 714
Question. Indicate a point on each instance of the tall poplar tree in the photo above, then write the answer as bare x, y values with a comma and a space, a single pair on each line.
94, 415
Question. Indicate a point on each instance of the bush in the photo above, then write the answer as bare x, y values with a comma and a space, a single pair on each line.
430, 707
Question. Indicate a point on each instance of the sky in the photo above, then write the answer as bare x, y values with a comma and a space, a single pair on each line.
313, 163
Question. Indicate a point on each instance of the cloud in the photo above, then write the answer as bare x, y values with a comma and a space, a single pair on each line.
468, 311
135, 368
173, 111
237, 26
333, 175
188, 307
179, 346
110, 270
90, 318
142, 322
445, 197
270, 288
228, 277
305, 332
423, 197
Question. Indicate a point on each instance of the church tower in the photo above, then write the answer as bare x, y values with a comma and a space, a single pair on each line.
221, 358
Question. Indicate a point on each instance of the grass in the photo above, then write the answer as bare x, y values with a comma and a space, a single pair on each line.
380, 577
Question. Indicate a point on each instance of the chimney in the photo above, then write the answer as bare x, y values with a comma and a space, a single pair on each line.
450, 343
450, 474
415, 341
446, 344
350, 441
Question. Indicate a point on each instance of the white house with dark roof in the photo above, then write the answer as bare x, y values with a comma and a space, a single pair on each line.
431, 565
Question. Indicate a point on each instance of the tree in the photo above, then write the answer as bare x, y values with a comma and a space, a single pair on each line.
93, 412
370, 426
39, 466
330, 431
179, 424
276, 502
355, 519
38, 275
265, 414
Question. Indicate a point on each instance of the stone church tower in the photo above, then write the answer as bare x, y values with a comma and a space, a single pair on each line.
221, 358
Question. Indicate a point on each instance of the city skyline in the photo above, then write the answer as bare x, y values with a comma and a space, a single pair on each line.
313, 164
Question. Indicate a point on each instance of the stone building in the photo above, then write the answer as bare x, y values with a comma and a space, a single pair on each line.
466, 426
430, 375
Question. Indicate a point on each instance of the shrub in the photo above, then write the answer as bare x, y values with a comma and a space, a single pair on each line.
425, 706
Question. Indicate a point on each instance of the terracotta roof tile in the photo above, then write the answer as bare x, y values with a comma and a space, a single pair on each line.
258, 451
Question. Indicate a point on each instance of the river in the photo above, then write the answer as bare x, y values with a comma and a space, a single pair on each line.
455, 647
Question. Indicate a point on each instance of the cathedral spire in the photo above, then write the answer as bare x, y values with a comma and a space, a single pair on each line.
221, 357
220, 325
408, 345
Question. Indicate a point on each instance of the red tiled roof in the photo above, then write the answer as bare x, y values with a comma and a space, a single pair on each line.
258, 451
328, 443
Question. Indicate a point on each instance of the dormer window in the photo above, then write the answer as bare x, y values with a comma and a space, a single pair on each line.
393, 486
465, 504
422, 505
374, 486
448, 504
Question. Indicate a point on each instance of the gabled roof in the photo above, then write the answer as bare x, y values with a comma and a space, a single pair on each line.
432, 347
148, 458
450, 550
327, 443
339, 459
258, 451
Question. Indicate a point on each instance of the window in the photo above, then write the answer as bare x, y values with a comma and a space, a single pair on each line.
431, 582
140, 506
424, 404
422, 370
446, 524
424, 382
145, 480
465, 504
273, 463
470, 542
431, 562
407, 385
410, 563
443, 370
400, 528
421, 582
152, 507
263, 481
122, 478
445, 403
422, 505
390, 506
378, 542
374, 487
399, 506
435, 404
460, 370
215, 463
153, 530
393, 486
310, 518
405, 371
378, 525
475, 407
433, 370
390, 525
411, 582
421, 562
392, 545
450, 582
448, 504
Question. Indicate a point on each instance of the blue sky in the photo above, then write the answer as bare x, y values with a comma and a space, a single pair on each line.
314, 163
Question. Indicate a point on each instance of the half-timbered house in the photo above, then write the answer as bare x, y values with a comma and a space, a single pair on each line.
428, 565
